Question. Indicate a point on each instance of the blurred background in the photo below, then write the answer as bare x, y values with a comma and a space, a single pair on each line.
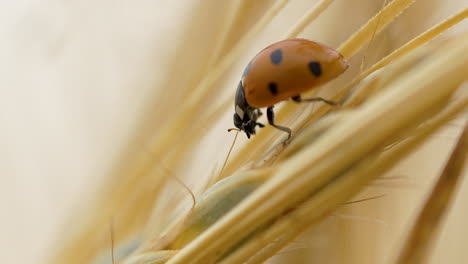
84, 84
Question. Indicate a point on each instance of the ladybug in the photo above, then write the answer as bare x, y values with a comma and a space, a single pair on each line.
281, 71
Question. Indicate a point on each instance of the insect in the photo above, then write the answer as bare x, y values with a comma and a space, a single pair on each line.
281, 71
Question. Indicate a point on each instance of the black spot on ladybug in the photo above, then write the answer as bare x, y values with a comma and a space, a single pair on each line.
276, 57
273, 87
315, 68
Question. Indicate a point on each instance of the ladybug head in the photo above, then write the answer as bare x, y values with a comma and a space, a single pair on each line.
245, 117
247, 125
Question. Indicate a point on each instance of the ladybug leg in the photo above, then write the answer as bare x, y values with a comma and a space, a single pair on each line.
299, 99
271, 120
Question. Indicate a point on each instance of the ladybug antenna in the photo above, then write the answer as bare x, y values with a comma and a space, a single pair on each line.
230, 149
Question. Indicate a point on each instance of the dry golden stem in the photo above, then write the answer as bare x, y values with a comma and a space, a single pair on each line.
313, 132
362, 91
425, 229
419, 40
411, 45
333, 196
217, 201
312, 167
374, 26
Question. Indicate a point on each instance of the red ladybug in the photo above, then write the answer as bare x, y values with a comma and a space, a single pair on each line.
281, 71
